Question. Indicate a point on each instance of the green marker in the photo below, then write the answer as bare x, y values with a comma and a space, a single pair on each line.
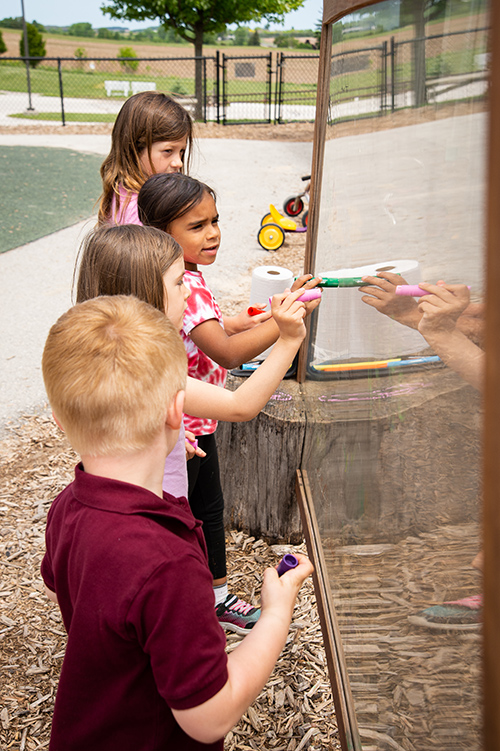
347, 281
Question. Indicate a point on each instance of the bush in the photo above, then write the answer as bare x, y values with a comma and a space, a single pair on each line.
81, 30
3, 46
36, 44
129, 66
285, 40
178, 87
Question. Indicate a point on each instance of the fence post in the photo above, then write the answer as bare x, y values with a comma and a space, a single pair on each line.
383, 87
204, 109
279, 86
224, 82
61, 92
26, 55
217, 83
393, 78
270, 85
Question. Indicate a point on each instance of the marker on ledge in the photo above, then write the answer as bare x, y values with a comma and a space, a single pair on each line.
412, 290
288, 562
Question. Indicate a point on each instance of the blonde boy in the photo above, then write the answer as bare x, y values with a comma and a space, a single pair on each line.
127, 563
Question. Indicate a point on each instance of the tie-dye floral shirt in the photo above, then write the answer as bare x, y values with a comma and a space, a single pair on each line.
201, 306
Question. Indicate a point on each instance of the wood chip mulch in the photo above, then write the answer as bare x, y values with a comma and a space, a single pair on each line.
294, 712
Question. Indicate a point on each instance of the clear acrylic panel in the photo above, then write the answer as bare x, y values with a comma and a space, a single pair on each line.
393, 445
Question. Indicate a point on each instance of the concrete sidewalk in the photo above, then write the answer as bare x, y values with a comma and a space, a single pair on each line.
36, 279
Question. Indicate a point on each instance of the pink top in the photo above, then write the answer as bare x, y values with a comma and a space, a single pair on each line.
175, 479
127, 213
201, 306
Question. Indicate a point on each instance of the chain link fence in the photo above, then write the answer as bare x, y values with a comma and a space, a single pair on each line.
256, 88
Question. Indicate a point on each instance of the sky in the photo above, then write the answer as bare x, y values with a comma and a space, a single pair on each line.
64, 13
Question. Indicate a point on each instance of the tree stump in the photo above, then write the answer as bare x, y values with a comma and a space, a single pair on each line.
384, 457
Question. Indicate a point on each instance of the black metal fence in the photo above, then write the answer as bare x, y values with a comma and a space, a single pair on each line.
260, 88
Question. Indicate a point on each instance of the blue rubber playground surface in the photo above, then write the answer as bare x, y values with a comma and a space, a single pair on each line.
44, 190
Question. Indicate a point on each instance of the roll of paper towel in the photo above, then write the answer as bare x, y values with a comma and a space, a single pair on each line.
348, 328
266, 282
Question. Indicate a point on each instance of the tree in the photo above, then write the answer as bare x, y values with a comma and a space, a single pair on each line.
104, 33
12, 23
3, 46
192, 20
254, 39
81, 30
36, 44
241, 36
129, 66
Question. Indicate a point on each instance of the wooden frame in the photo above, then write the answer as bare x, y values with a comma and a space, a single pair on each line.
491, 477
337, 668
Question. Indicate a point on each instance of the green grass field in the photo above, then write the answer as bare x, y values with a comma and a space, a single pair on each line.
44, 191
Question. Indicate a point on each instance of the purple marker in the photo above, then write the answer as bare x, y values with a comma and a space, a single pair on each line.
412, 290
287, 562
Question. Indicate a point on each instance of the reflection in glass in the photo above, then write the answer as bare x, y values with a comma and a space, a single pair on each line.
392, 454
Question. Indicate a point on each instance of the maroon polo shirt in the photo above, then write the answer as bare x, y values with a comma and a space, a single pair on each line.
130, 573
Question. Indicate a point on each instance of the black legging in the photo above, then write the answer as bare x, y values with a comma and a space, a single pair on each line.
207, 502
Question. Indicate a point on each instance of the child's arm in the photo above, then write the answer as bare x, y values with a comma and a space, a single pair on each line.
231, 351
51, 595
243, 321
440, 312
206, 400
251, 663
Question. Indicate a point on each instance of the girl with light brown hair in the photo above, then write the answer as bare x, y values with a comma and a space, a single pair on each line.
152, 134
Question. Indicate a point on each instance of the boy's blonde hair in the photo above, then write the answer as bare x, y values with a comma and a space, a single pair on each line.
112, 366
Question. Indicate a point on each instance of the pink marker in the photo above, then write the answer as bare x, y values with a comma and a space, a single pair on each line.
412, 290
307, 296
193, 443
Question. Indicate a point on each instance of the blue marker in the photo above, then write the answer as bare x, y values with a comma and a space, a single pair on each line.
414, 361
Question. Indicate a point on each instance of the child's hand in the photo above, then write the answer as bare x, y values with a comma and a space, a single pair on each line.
381, 295
307, 281
441, 309
279, 593
289, 314
192, 449
244, 321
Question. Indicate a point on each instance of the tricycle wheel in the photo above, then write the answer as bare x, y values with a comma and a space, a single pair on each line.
271, 237
293, 206
267, 219
305, 218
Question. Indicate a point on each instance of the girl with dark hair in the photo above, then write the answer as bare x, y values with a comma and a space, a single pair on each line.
186, 209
